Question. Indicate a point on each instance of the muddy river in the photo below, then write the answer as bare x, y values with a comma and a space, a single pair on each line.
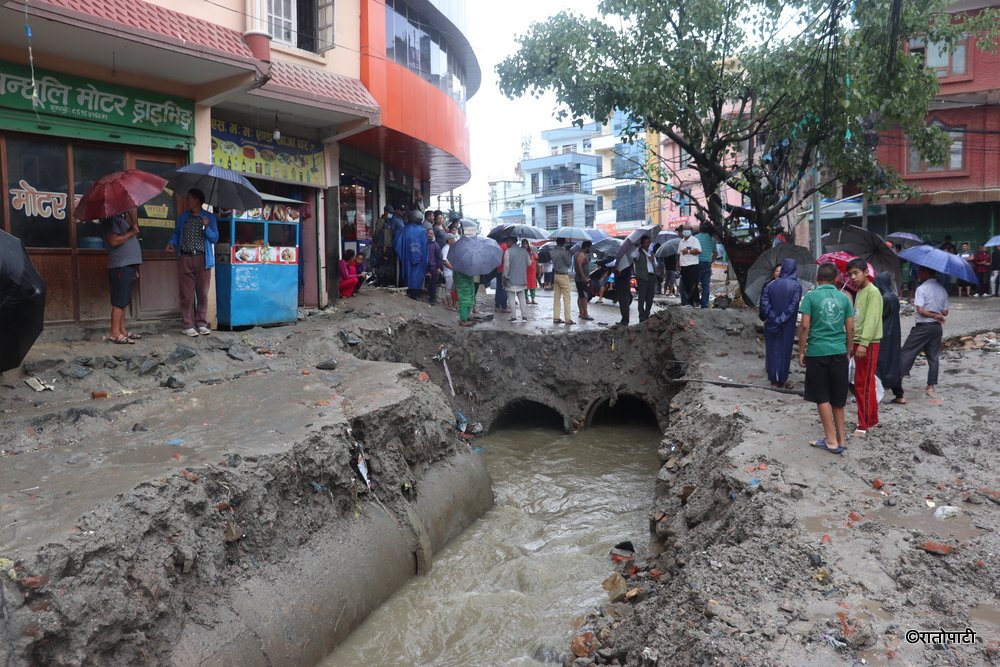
506, 591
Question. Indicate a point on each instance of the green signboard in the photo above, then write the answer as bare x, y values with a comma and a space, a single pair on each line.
67, 96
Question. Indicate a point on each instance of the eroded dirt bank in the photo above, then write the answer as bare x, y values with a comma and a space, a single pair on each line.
765, 551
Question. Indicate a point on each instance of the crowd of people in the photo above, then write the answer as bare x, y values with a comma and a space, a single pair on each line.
841, 337
984, 262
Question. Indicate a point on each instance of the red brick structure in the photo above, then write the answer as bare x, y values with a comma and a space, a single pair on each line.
960, 197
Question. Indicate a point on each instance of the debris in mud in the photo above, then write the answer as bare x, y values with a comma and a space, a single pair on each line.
936, 548
616, 587
946, 512
240, 353
38, 385
623, 552
233, 532
328, 365
181, 353
988, 341
350, 338
41, 366
98, 395
584, 644
931, 447
172, 382
76, 371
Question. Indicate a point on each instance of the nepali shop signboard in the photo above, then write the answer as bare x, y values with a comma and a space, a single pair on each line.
71, 97
256, 154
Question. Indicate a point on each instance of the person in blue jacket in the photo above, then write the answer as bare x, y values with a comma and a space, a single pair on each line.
779, 307
411, 249
195, 232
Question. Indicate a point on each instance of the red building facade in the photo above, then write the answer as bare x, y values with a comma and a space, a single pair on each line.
959, 197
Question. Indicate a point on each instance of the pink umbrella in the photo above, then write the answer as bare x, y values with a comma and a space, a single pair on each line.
118, 192
840, 260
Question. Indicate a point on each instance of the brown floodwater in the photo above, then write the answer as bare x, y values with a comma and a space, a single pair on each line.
508, 590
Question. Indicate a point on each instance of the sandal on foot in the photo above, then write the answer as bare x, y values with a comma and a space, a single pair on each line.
899, 401
821, 444
570, 322
859, 433
587, 317
132, 336
557, 321
121, 340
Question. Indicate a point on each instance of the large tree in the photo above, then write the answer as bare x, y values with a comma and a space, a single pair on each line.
757, 92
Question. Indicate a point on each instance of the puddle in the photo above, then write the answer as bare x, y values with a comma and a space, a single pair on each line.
983, 616
874, 609
151, 454
978, 412
959, 527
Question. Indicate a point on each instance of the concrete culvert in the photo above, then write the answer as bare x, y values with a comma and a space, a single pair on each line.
627, 409
523, 413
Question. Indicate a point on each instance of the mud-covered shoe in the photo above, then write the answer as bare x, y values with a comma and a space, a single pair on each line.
190, 332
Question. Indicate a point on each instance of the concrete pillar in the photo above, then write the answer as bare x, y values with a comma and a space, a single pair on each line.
203, 153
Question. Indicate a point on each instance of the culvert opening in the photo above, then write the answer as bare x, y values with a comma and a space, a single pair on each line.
522, 414
627, 410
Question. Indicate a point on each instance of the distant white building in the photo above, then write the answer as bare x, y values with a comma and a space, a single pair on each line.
507, 200
558, 187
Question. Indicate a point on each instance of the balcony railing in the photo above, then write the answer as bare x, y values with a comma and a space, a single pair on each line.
560, 189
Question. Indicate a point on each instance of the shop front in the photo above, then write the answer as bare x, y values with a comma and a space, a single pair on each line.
60, 133
290, 173
359, 201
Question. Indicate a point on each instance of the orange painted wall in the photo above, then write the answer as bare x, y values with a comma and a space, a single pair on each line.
409, 104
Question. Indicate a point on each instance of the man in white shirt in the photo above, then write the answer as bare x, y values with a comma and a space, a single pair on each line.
931, 302
688, 252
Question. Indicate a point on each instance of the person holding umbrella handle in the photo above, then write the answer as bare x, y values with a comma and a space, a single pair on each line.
121, 236
194, 233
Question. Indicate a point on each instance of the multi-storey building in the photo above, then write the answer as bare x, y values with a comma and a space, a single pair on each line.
626, 199
340, 107
959, 197
558, 187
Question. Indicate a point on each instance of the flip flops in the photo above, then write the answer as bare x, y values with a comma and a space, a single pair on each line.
121, 340
132, 336
821, 444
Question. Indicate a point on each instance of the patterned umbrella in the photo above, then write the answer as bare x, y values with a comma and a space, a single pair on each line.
840, 260
940, 261
118, 192
475, 255
223, 188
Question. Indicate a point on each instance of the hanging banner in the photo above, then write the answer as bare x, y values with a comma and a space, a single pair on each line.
70, 96
256, 154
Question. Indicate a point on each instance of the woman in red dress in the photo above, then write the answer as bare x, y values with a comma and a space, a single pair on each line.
348, 275
532, 272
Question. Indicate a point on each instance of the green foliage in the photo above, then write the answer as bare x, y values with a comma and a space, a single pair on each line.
753, 90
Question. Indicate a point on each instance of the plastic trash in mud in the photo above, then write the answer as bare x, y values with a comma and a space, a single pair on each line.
360, 464
317, 487
38, 385
442, 356
476, 428
623, 552
946, 512
461, 421
175, 442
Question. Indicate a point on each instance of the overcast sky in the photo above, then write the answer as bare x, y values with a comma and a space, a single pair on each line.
496, 124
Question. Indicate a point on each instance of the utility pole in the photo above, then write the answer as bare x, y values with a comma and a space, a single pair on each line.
864, 210
817, 216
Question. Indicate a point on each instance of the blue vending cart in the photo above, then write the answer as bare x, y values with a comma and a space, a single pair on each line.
257, 272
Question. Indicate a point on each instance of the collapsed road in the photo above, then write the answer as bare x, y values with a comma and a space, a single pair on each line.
220, 518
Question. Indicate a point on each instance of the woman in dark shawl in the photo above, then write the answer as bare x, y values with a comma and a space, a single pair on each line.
779, 306
888, 371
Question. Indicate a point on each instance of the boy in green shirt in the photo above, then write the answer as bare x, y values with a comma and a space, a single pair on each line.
827, 327
867, 339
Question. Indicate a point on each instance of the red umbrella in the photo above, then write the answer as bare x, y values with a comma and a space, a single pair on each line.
840, 260
117, 193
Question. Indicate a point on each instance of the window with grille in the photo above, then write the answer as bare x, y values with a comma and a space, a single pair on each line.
551, 217
304, 24
955, 161
567, 215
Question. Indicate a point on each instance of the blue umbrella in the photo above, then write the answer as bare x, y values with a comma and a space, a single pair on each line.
596, 234
993, 242
940, 261
475, 255
905, 239
223, 188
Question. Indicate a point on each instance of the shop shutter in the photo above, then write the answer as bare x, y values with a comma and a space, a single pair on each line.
324, 25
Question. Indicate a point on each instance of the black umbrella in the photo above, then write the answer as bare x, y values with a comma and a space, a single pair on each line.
22, 302
867, 246
763, 268
517, 231
223, 188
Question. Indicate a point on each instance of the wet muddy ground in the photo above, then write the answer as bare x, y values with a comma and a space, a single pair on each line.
766, 551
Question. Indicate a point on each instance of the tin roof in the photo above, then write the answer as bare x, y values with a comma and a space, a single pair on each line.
316, 87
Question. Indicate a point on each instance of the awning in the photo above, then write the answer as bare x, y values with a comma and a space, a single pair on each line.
131, 36
279, 200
